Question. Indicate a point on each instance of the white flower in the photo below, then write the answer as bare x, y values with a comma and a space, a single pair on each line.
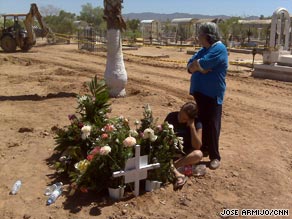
133, 133
149, 133
82, 165
129, 142
84, 136
180, 143
137, 122
153, 138
175, 143
180, 140
63, 158
82, 99
85, 131
105, 150
171, 127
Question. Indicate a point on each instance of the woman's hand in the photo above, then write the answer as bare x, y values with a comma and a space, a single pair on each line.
195, 66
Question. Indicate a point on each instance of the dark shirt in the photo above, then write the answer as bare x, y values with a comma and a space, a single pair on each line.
182, 130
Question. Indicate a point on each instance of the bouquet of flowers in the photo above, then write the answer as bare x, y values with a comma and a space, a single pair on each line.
94, 146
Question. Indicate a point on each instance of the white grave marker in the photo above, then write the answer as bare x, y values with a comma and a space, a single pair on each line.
136, 169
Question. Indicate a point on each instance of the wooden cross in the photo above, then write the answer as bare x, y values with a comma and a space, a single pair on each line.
136, 169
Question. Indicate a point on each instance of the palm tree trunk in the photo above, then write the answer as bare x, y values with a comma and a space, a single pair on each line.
115, 74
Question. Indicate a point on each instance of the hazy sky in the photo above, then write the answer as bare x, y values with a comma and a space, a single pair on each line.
207, 7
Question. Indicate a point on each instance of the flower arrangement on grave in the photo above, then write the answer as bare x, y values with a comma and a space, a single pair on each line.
160, 143
93, 146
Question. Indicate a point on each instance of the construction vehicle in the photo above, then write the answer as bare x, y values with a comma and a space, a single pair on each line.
23, 36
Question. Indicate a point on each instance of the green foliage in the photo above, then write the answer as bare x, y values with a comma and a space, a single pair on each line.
62, 23
147, 121
133, 24
229, 26
161, 145
9, 22
163, 150
131, 36
133, 31
94, 107
93, 16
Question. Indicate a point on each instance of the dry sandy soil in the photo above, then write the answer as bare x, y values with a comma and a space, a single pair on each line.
37, 92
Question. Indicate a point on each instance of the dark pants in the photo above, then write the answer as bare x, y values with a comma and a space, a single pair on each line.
209, 112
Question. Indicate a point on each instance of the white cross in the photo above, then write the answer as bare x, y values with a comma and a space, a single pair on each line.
136, 169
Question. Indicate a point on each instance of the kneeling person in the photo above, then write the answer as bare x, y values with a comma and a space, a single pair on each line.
187, 126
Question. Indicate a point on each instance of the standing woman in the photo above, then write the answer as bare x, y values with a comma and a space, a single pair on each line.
208, 68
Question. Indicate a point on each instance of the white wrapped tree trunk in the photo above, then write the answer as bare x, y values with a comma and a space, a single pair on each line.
115, 74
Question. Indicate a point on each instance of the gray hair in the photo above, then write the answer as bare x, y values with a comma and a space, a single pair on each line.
211, 30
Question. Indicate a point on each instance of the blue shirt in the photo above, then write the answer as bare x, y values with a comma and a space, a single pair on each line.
212, 84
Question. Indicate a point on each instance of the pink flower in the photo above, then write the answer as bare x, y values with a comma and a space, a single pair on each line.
90, 157
104, 136
108, 128
159, 127
129, 142
95, 150
141, 134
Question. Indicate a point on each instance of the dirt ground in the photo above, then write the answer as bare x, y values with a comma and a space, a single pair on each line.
37, 92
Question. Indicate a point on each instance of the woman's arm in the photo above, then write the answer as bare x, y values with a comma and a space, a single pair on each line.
195, 66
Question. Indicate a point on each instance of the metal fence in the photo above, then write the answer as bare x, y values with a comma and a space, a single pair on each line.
88, 39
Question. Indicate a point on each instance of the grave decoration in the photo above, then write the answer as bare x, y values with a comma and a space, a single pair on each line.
136, 169
94, 146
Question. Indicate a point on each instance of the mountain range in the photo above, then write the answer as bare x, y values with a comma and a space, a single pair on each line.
165, 17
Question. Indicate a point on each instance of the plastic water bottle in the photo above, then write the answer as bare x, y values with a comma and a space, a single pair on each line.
53, 197
50, 189
15, 187
199, 170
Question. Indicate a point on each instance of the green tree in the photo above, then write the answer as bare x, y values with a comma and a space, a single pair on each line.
133, 30
62, 23
9, 22
133, 24
93, 16
228, 27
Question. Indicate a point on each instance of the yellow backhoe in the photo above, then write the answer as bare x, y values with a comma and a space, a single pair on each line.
22, 36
